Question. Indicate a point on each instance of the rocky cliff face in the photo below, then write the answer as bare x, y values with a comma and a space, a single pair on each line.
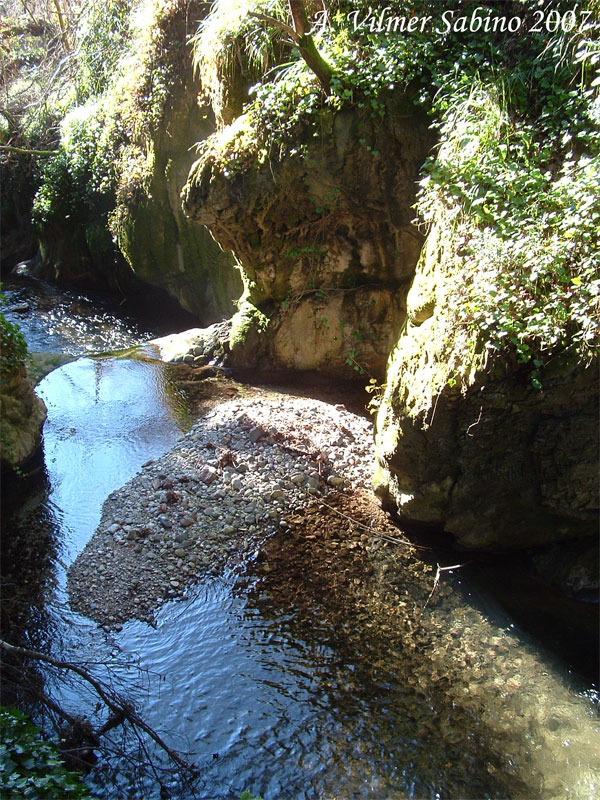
22, 415
335, 278
164, 247
109, 213
469, 445
326, 242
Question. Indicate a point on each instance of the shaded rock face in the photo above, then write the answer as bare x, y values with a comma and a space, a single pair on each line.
22, 415
485, 456
164, 247
81, 254
155, 243
326, 242
571, 567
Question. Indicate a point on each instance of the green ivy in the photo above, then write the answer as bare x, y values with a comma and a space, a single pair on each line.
13, 350
518, 170
30, 766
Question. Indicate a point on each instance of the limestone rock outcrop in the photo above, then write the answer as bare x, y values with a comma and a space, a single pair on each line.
164, 247
110, 213
326, 241
466, 443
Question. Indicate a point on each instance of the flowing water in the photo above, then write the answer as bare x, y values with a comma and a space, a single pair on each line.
335, 703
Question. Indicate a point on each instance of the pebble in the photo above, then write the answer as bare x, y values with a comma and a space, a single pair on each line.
208, 474
255, 434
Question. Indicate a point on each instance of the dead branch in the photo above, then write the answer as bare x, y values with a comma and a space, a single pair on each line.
119, 707
62, 24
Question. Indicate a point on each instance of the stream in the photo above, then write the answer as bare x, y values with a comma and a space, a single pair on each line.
252, 693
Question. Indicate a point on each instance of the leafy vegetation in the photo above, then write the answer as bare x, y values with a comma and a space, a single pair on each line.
112, 86
13, 350
30, 766
517, 170
519, 166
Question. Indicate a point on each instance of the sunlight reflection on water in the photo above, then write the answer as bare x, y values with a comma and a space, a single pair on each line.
336, 709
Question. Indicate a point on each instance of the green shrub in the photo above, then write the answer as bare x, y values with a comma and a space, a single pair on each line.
77, 183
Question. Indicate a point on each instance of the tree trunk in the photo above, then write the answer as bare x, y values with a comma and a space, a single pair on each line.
62, 25
307, 47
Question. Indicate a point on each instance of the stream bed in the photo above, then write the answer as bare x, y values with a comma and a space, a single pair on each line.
268, 680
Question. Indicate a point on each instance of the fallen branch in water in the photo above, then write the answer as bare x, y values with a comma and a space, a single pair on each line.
385, 536
437, 579
121, 710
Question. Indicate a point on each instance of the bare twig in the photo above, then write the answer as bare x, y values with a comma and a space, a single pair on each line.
385, 536
437, 579
115, 704
473, 424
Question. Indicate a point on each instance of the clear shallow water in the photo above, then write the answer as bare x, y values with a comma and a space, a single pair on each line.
106, 417
64, 322
262, 695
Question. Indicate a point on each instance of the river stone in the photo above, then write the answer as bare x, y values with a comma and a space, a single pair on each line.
208, 474
255, 434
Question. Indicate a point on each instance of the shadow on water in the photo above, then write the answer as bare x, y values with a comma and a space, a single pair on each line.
566, 628
506, 584
29, 545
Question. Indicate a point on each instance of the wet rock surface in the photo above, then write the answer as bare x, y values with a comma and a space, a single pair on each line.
23, 415
240, 474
